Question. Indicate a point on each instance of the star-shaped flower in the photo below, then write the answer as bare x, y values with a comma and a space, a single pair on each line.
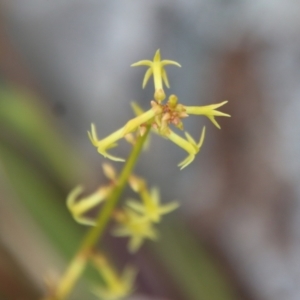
79, 207
208, 111
132, 125
151, 207
189, 145
106, 143
156, 68
135, 226
161, 116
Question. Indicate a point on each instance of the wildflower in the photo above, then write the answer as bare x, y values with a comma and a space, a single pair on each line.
135, 226
189, 145
172, 113
107, 143
78, 207
151, 207
208, 111
160, 116
156, 68
116, 287
110, 141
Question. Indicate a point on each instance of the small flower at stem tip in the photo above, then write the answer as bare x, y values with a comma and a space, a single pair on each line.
157, 69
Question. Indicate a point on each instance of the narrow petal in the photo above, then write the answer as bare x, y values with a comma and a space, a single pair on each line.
109, 142
92, 139
206, 110
186, 161
156, 57
193, 142
181, 142
209, 111
213, 120
91, 201
93, 135
136, 108
73, 195
189, 138
168, 207
148, 74
217, 105
199, 145
165, 77
170, 62
142, 63
107, 155
85, 221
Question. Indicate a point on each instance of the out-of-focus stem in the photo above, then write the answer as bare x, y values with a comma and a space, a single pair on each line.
77, 265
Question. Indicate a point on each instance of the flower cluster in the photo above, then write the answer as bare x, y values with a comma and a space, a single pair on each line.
160, 116
135, 220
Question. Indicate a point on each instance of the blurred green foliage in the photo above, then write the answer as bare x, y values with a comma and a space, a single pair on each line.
193, 269
40, 165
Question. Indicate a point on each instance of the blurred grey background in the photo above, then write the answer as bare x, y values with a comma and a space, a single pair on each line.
240, 196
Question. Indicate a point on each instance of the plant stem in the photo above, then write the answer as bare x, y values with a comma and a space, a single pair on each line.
77, 265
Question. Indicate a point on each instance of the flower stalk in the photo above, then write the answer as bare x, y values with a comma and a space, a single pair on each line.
77, 265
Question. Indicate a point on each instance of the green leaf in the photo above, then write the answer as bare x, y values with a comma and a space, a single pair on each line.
190, 265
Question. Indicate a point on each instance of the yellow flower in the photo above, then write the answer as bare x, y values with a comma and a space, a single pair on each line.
106, 143
160, 116
156, 68
172, 113
81, 206
208, 111
151, 207
135, 226
78, 207
189, 145
116, 287
133, 124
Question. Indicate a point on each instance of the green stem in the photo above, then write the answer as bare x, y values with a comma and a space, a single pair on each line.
94, 235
